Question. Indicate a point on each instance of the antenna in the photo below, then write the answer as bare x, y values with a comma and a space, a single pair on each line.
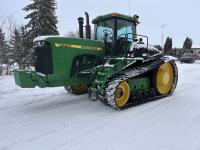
129, 7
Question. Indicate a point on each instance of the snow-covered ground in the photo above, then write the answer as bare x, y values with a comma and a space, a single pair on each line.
51, 119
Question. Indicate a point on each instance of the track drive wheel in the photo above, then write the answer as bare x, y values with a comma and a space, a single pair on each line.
77, 90
164, 78
122, 94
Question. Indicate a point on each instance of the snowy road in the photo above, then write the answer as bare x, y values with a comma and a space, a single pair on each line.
51, 119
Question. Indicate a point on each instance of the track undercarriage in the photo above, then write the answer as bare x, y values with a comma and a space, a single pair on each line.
115, 90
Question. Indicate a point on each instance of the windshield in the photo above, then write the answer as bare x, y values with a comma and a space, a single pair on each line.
125, 28
105, 27
122, 29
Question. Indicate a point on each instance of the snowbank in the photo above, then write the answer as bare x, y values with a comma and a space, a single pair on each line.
44, 119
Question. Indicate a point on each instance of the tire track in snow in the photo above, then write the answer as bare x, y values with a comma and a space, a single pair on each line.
41, 100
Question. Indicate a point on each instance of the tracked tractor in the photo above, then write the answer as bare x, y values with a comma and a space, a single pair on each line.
119, 67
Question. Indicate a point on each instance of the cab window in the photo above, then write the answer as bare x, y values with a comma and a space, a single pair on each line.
125, 28
103, 27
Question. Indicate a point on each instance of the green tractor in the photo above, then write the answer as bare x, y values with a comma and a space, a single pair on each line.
118, 67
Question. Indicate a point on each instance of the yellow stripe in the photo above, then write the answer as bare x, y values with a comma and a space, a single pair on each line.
77, 46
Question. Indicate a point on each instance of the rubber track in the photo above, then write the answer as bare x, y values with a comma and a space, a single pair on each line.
108, 95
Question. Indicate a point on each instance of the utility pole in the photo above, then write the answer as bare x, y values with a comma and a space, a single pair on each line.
162, 36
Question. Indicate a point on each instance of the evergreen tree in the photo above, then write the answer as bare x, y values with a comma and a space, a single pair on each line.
25, 48
42, 21
5, 52
2, 49
15, 44
168, 45
18, 48
187, 43
9, 57
27, 42
159, 47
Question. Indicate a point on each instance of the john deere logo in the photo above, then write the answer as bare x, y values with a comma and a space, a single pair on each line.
62, 45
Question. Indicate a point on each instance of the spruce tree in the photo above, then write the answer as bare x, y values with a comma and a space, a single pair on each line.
187, 43
17, 47
25, 47
159, 47
42, 18
168, 45
2, 49
9, 58
42, 21
27, 42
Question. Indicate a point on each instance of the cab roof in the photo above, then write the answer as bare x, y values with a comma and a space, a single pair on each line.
116, 15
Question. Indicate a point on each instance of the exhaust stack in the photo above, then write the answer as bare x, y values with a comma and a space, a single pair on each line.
81, 22
87, 27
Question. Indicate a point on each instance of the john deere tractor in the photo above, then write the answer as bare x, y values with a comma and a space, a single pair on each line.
118, 68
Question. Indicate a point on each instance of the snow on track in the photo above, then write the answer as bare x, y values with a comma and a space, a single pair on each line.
51, 119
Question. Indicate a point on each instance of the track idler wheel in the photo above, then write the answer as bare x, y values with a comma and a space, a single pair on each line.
164, 78
122, 94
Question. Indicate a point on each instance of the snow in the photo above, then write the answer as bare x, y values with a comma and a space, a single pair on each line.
170, 57
42, 38
52, 119
108, 65
139, 46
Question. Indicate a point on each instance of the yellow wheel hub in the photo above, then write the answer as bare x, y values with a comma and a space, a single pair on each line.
122, 94
165, 78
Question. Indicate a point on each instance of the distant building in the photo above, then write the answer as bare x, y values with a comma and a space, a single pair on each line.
178, 52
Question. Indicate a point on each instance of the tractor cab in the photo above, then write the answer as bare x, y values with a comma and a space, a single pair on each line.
117, 31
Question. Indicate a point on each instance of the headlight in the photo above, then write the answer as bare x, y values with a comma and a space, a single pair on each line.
39, 43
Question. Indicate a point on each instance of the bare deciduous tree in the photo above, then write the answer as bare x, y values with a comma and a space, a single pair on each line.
76, 34
7, 24
10, 26
73, 34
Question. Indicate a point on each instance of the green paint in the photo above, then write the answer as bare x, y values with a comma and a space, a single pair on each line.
65, 52
63, 57
112, 67
23, 78
139, 84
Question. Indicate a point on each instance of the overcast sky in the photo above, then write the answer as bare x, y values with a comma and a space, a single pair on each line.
181, 16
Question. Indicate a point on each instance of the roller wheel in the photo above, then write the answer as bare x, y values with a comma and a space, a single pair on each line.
122, 94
